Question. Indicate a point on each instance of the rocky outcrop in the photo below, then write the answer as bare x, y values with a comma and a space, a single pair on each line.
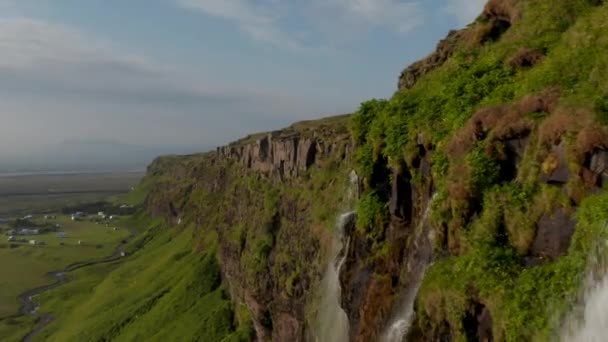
375, 288
553, 236
597, 173
284, 154
445, 49
555, 167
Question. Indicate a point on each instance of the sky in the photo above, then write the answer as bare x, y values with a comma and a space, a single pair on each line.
201, 72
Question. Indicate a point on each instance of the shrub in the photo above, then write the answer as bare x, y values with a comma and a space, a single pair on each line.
362, 120
372, 216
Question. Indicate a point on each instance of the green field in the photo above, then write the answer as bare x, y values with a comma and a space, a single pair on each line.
163, 289
26, 266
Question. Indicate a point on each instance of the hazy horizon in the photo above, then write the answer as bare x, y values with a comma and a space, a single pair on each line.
194, 74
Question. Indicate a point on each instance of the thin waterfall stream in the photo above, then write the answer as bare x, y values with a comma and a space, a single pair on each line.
400, 325
332, 322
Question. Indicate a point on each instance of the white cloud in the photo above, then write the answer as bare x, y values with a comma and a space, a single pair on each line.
464, 10
71, 84
43, 58
268, 20
28, 43
260, 20
393, 14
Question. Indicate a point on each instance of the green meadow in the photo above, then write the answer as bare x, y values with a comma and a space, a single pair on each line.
24, 266
163, 289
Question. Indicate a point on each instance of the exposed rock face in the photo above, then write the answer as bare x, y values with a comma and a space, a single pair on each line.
369, 295
281, 154
599, 168
445, 49
478, 323
553, 237
555, 167
270, 249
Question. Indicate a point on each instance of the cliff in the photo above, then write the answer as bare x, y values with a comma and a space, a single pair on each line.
478, 189
271, 200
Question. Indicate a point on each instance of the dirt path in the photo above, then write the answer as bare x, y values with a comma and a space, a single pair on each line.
29, 306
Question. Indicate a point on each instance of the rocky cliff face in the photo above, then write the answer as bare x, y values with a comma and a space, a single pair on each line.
284, 154
471, 179
271, 201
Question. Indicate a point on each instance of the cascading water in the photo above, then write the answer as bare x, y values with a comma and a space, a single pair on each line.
593, 325
332, 320
588, 322
400, 325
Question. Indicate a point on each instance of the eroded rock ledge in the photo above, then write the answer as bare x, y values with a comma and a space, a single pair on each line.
288, 153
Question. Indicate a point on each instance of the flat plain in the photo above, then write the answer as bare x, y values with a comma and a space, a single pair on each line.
51, 192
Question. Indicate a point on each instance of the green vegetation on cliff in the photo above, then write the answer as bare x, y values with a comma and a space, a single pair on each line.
503, 128
513, 125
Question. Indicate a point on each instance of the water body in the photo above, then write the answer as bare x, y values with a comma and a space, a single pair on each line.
332, 321
400, 325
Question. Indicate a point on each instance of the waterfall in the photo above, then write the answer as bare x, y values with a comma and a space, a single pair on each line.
332, 321
400, 325
593, 325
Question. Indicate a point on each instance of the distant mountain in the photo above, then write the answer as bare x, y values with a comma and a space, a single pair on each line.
92, 155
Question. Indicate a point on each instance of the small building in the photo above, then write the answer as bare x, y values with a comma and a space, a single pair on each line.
12, 238
32, 242
113, 217
26, 231
123, 254
77, 216
28, 217
3, 221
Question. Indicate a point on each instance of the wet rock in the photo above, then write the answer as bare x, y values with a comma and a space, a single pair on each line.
478, 324
553, 234
425, 167
400, 203
517, 147
287, 328
599, 164
515, 150
484, 330
555, 167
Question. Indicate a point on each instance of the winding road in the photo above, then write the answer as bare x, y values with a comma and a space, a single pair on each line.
29, 307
